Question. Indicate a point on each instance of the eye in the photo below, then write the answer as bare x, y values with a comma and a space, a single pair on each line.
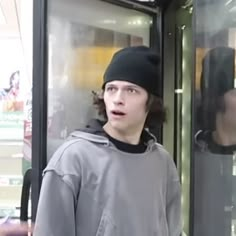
132, 90
110, 89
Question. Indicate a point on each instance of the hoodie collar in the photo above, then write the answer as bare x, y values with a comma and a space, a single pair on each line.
94, 132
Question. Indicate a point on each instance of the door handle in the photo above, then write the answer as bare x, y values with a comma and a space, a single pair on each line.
25, 195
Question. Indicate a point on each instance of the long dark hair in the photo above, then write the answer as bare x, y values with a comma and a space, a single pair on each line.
156, 111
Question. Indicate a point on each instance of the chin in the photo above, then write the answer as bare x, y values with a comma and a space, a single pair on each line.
118, 125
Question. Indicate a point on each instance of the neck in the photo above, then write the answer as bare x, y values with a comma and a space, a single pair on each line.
123, 136
224, 135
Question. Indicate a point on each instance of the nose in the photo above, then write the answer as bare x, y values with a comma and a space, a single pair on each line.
118, 98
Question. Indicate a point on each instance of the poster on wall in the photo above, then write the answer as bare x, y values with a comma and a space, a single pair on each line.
11, 108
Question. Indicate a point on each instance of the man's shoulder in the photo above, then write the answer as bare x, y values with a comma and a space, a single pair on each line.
68, 155
163, 154
161, 150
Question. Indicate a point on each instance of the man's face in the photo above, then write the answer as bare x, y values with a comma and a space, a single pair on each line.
229, 114
125, 106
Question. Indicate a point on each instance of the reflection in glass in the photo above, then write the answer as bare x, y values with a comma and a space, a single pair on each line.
215, 145
214, 178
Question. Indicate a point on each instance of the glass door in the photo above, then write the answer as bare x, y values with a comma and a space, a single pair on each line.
82, 37
214, 165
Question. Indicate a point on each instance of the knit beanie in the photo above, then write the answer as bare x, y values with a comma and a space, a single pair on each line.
138, 65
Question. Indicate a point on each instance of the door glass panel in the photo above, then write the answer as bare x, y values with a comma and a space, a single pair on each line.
83, 35
15, 97
215, 125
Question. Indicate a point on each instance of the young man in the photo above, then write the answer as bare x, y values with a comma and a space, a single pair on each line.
113, 179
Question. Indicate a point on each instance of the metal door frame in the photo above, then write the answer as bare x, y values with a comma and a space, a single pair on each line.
39, 99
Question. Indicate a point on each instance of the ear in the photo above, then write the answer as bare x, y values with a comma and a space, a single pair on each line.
101, 94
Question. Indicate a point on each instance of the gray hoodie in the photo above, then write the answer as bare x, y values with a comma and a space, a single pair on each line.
90, 188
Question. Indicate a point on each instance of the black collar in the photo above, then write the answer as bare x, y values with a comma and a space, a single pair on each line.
126, 147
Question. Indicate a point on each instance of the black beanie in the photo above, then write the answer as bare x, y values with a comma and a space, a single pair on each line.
138, 65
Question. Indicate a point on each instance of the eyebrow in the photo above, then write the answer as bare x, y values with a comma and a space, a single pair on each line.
125, 86
132, 86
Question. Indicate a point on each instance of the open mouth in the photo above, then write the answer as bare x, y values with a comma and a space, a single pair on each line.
118, 113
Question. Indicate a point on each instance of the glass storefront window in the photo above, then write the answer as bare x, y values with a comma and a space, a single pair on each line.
15, 97
83, 35
214, 179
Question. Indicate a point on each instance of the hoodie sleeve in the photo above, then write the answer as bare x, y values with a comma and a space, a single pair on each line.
58, 195
56, 208
173, 207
